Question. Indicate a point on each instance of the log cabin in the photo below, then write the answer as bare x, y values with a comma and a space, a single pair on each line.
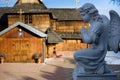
30, 27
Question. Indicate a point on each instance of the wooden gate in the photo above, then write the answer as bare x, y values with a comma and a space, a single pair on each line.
20, 49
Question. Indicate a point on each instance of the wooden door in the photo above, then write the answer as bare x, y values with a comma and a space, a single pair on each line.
16, 49
21, 50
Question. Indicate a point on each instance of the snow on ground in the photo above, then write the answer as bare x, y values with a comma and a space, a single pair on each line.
112, 58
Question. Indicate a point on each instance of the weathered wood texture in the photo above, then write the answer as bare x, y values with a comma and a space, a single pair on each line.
67, 45
70, 26
40, 21
71, 45
20, 49
51, 50
14, 33
43, 22
12, 19
28, 1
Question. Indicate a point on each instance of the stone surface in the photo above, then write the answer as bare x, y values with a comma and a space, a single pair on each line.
50, 71
102, 36
97, 77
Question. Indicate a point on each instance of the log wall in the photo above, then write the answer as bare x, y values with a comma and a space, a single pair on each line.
20, 49
41, 21
66, 45
70, 26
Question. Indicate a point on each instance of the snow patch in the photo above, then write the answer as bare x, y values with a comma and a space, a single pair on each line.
112, 58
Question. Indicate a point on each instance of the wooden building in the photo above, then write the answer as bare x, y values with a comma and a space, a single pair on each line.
30, 27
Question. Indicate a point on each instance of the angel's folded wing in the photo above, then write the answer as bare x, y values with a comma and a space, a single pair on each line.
114, 31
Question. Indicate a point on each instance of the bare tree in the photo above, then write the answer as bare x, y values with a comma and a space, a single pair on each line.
117, 2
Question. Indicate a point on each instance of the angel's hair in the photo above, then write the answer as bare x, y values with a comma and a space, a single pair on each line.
90, 9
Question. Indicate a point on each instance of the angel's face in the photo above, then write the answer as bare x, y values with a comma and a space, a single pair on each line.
85, 16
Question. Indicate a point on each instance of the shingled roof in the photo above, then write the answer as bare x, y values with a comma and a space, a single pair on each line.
69, 35
66, 13
57, 13
53, 37
28, 6
3, 10
39, 5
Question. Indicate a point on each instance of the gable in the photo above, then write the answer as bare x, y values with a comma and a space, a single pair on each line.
25, 26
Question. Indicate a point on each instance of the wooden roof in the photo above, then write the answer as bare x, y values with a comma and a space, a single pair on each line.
53, 37
66, 13
28, 1
69, 35
26, 7
3, 10
58, 13
28, 27
28, 4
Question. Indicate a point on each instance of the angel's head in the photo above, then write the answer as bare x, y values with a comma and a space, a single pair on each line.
87, 11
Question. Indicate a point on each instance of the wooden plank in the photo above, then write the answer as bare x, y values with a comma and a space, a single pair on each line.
20, 49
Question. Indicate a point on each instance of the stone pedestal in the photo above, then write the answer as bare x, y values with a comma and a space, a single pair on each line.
97, 77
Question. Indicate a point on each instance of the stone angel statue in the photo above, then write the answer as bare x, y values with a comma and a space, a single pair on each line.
102, 35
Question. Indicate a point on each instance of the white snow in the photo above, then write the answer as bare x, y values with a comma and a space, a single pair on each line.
112, 58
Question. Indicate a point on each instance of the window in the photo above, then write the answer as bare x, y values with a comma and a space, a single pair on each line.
28, 19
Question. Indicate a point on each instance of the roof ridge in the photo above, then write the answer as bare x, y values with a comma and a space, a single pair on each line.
63, 8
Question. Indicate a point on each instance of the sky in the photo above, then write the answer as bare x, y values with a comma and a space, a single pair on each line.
104, 6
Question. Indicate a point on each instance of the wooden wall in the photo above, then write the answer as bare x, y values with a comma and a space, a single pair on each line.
20, 49
53, 24
70, 26
66, 45
51, 50
71, 45
12, 19
41, 21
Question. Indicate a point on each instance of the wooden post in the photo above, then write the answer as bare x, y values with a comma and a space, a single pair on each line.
44, 50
